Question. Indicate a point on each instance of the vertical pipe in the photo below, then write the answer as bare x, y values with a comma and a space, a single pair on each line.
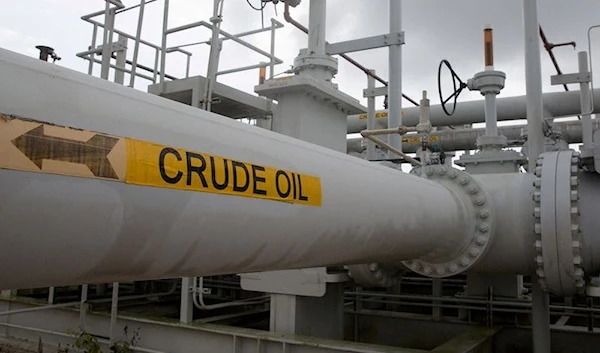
584, 93
533, 75
371, 117
114, 306
163, 50
317, 27
121, 61
136, 48
83, 306
395, 83
491, 123
535, 110
93, 46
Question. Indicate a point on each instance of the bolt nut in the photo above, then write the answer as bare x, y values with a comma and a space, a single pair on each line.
480, 200
473, 251
481, 240
484, 227
464, 261
484, 213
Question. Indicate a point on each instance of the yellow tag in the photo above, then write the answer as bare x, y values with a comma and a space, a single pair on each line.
379, 115
33, 146
150, 164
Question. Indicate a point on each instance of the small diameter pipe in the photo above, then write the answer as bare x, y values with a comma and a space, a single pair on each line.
371, 117
395, 83
533, 83
584, 91
370, 135
491, 121
316, 27
198, 288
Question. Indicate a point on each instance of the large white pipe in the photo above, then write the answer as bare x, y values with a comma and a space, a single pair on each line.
60, 230
510, 108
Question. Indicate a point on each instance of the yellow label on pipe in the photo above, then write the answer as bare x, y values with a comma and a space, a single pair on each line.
150, 164
44, 148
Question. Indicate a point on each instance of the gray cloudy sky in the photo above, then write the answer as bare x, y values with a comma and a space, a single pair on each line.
435, 29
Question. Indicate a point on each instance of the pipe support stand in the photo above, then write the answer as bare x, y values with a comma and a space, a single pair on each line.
455, 256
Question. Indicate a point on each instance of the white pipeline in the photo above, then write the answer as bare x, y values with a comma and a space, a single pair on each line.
63, 230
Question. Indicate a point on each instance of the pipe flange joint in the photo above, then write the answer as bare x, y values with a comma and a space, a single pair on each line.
372, 275
308, 61
456, 256
558, 241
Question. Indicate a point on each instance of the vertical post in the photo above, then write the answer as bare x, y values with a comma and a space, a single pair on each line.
215, 52
163, 50
114, 307
186, 310
187, 66
272, 51
316, 24
540, 317
51, 295
136, 48
370, 117
107, 41
93, 46
584, 93
533, 75
535, 110
121, 61
436, 284
395, 83
83, 306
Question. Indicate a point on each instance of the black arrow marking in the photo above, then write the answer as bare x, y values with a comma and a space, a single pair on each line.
93, 153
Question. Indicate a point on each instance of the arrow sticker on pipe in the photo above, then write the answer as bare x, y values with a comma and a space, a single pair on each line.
44, 148
93, 153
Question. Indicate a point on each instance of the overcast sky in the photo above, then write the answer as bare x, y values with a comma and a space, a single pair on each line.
435, 30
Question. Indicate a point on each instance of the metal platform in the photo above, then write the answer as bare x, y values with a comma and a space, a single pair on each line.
227, 100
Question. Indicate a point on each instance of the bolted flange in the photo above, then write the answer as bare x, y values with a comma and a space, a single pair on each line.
454, 257
558, 236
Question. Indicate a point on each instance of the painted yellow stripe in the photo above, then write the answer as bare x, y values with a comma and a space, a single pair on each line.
33, 146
